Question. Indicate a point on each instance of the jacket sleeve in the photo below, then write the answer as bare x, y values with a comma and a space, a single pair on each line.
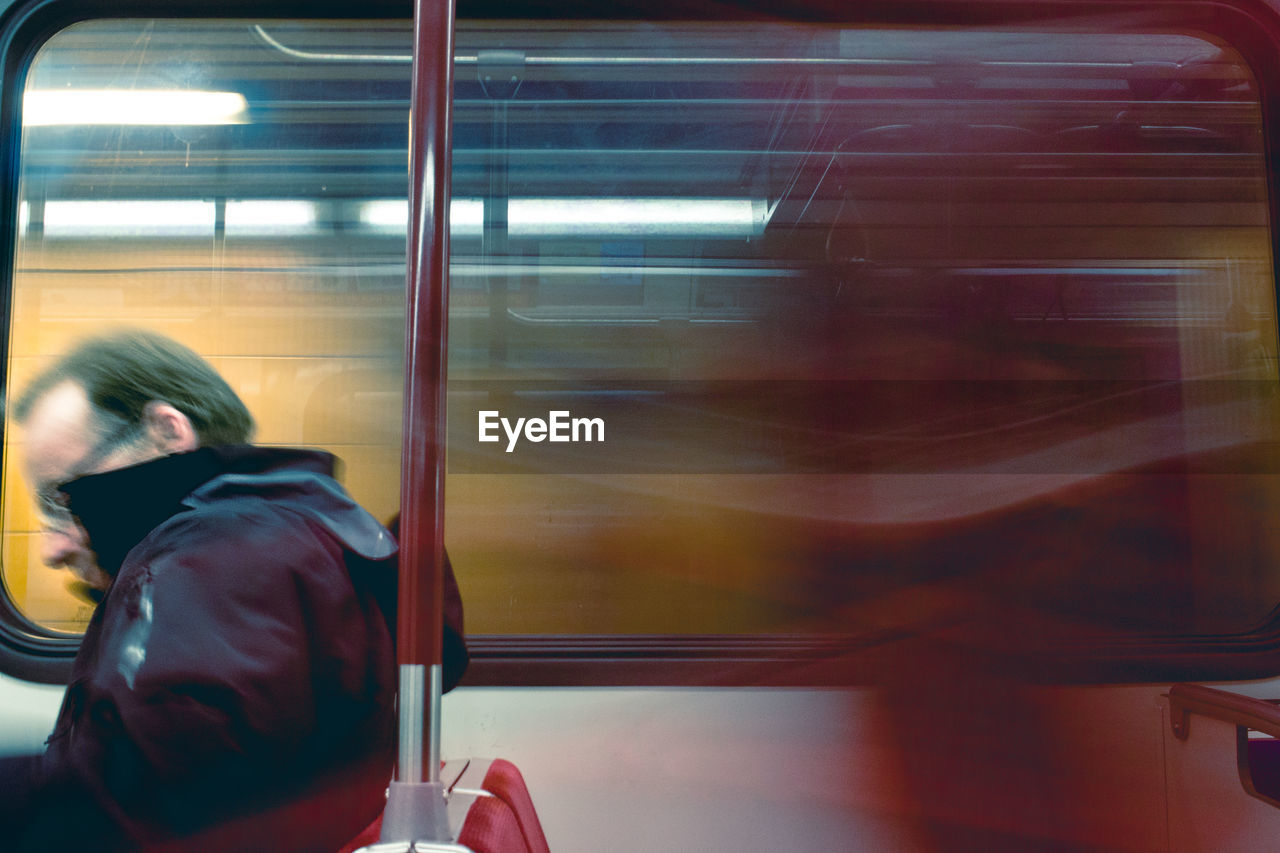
454, 653
17, 785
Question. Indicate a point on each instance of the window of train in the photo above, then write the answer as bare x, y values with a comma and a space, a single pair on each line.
845, 330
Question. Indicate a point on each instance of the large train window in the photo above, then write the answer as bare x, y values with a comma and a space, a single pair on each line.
758, 332
918, 332
199, 179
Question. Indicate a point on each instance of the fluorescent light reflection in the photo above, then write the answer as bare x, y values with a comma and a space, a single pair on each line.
391, 215
69, 107
637, 217
532, 218
466, 218
128, 218
592, 217
270, 217
386, 214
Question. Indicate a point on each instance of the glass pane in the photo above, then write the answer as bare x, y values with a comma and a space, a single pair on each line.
862, 330
887, 329
229, 218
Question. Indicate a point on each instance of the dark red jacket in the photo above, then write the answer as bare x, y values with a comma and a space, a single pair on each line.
235, 687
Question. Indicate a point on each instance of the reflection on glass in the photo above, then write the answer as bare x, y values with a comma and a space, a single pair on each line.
167, 108
879, 322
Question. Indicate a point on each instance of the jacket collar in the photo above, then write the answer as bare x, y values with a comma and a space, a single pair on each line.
119, 508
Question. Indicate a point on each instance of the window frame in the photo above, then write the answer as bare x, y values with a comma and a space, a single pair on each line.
1252, 27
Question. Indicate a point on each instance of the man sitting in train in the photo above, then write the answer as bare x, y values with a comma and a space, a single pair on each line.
235, 686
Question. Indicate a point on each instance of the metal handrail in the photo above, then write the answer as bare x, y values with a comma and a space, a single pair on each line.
1188, 699
1130, 67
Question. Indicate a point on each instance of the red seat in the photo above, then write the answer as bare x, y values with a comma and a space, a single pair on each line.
505, 822
492, 827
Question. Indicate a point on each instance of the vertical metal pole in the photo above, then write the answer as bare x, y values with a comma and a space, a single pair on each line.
415, 806
422, 468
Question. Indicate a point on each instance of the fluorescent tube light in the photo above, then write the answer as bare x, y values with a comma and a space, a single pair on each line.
581, 218
48, 107
269, 217
636, 217
466, 216
593, 217
385, 213
125, 218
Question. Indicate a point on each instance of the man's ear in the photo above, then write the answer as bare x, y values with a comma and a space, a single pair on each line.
169, 429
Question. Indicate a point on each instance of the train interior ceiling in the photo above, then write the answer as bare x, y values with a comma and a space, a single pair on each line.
937, 366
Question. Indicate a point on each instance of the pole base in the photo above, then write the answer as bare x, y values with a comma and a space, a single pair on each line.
414, 847
416, 821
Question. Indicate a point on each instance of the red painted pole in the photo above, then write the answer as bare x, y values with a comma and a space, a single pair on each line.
415, 813
421, 591
422, 471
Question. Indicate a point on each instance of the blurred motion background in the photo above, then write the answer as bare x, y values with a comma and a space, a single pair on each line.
893, 330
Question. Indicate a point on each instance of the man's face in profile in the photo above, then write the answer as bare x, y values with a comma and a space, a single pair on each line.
60, 443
